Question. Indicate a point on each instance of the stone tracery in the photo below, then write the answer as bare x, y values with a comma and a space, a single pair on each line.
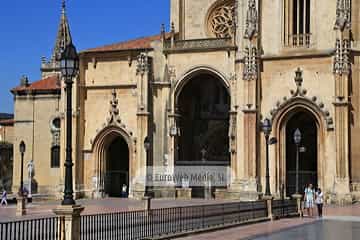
221, 19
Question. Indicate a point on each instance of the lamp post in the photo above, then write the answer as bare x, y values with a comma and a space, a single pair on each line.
266, 128
20, 208
22, 148
147, 146
69, 67
297, 140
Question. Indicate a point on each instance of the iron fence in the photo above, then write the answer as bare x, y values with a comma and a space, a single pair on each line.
168, 221
33, 229
284, 207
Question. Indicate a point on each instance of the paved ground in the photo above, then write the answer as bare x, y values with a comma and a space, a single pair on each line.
41, 209
339, 223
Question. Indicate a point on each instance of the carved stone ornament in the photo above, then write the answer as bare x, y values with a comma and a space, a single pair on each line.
55, 131
251, 20
142, 64
342, 63
250, 63
300, 94
343, 14
114, 117
221, 19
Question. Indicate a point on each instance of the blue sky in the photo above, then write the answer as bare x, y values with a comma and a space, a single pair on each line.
28, 30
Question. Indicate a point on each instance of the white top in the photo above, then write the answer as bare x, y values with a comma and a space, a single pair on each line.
319, 198
309, 194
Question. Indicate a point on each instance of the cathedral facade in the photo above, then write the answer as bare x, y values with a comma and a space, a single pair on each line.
198, 94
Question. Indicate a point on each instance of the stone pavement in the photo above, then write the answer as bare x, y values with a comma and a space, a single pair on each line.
277, 229
44, 209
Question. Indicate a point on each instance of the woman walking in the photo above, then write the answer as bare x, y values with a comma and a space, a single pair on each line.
319, 200
4, 198
309, 199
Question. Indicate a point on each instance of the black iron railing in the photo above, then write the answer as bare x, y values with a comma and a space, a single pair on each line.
34, 229
168, 221
284, 207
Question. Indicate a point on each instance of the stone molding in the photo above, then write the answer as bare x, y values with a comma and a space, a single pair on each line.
199, 45
301, 94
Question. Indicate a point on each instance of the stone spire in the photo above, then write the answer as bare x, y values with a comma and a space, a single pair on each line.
63, 34
52, 66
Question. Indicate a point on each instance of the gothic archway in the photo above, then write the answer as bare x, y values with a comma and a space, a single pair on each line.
283, 111
112, 148
308, 154
203, 105
311, 124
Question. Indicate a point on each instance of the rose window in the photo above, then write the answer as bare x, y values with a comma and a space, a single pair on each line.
221, 19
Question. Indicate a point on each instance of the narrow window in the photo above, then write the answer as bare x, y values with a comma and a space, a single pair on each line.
55, 157
297, 15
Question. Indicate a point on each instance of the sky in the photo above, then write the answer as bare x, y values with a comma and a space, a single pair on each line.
28, 30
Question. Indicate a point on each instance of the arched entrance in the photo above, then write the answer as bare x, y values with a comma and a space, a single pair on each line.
203, 105
117, 167
308, 155
113, 161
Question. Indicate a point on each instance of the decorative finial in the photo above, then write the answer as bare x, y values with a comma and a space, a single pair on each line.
298, 77
172, 27
162, 29
63, 6
24, 81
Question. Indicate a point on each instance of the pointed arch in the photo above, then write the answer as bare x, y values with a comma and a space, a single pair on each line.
280, 121
100, 145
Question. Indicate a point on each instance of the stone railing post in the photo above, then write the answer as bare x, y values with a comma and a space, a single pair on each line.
70, 225
269, 200
147, 203
298, 202
21, 206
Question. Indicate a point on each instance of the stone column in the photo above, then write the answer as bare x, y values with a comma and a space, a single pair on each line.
140, 164
269, 200
70, 221
21, 206
342, 72
342, 69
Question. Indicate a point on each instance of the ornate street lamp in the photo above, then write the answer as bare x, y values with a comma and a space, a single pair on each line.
21, 209
69, 63
22, 148
147, 145
266, 128
297, 140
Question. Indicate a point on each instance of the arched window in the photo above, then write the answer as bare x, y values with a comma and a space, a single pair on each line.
297, 23
55, 157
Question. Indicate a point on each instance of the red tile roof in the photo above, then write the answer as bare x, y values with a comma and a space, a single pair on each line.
46, 84
7, 122
139, 43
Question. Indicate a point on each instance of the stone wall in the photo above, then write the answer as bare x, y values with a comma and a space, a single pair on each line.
33, 116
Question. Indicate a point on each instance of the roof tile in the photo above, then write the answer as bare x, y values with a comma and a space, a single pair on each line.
46, 84
139, 43
7, 122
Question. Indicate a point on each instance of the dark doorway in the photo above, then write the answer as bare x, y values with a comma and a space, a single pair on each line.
117, 167
306, 123
203, 105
